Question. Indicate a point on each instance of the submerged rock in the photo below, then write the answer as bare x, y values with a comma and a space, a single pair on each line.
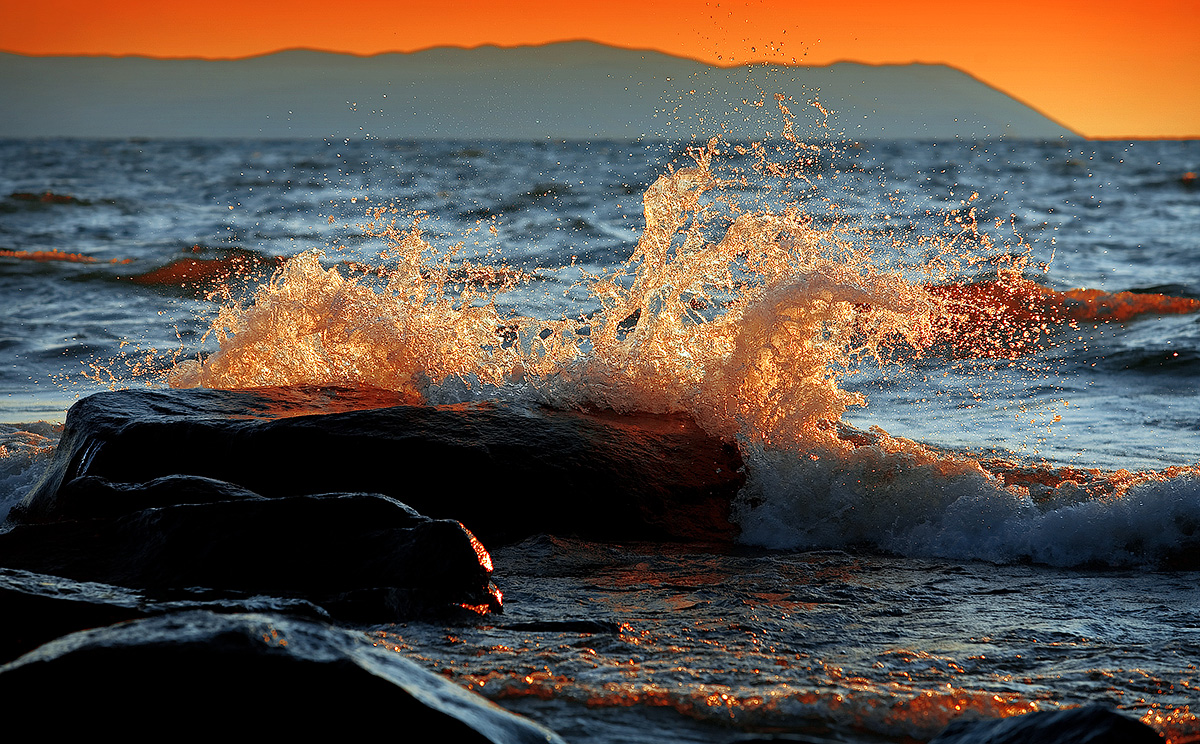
46, 197
204, 673
505, 471
1094, 724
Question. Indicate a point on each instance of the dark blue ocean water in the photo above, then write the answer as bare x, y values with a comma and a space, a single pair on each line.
928, 595
1113, 216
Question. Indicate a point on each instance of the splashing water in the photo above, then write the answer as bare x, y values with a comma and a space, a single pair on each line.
749, 334
748, 318
759, 310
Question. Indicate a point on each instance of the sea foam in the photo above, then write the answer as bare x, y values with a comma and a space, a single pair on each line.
747, 317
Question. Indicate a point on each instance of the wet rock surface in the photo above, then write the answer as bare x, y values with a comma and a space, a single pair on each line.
501, 470
209, 673
166, 516
38, 608
364, 557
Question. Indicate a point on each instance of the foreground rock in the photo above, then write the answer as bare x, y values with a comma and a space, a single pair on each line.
362, 557
1094, 724
37, 608
505, 471
209, 674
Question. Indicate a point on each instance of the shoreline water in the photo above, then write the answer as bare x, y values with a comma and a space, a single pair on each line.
624, 640
877, 535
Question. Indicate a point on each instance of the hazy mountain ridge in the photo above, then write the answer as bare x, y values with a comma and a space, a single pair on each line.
568, 90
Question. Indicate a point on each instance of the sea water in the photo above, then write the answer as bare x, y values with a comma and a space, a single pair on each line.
963, 376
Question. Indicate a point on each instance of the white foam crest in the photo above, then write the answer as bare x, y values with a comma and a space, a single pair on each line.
1155, 520
914, 502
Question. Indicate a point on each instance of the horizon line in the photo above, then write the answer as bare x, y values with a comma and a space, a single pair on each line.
715, 65
532, 45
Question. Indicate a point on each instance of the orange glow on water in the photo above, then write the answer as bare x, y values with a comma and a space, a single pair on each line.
1014, 316
914, 715
766, 666
203, 272
861, 704
1092, 304
57, 255
47, 197
1177, 725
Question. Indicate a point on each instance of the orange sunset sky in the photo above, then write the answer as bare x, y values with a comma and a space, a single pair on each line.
1101, 67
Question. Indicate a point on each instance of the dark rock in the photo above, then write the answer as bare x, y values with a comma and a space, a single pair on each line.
228, 603
90, 497
38, 607
364, 556
201, 673
1094, 724
505, 471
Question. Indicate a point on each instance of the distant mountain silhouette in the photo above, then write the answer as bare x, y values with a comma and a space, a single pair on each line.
568, 90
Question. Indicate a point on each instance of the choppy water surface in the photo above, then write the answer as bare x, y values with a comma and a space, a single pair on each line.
685, 645
1017, 320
